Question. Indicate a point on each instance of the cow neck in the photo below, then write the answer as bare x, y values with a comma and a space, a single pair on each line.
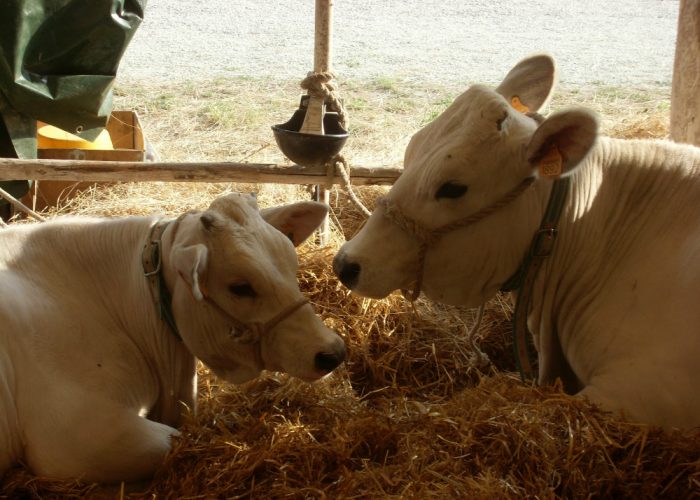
152, 261
524, 278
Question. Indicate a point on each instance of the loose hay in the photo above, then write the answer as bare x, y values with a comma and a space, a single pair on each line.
413, 413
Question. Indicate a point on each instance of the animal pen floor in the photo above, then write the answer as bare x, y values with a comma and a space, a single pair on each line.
416, 411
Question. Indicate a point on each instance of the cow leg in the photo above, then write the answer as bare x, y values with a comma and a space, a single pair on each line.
646, 397
622, 400
10, 446
103, 443
600, 398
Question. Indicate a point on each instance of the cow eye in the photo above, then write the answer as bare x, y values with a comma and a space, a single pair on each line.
242, 290
451, 190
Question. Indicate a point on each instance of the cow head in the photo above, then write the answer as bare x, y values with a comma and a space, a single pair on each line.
472, 160
233, 274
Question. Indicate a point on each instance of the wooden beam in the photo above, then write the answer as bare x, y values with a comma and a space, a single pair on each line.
121, 171
685, 92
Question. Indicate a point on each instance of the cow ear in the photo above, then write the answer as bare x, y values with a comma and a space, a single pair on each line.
191, 264
562, 141
297, 220
528, 86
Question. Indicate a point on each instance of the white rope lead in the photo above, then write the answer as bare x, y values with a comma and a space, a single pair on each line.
477, 323
478, 358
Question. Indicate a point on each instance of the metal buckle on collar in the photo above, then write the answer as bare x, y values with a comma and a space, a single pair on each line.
543, 241
159, 259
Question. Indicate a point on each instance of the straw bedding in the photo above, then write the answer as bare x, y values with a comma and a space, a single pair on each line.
421, 409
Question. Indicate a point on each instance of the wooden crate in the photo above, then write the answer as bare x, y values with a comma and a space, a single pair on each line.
127, 137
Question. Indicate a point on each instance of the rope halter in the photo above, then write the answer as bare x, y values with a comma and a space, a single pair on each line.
248, 333
428, 237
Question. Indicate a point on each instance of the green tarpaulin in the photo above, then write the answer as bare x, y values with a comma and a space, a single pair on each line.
58, 61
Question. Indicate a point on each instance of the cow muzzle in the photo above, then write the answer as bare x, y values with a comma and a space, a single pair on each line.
327, 361
347, 272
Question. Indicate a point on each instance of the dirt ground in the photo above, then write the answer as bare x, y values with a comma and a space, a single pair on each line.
453, 41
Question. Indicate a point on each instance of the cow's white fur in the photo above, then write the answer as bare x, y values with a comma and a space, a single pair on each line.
615, 308
84, 355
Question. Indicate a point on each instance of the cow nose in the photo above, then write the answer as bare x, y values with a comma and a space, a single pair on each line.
329, 361
347, 272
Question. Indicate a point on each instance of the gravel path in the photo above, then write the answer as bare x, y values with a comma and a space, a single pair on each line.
619, 42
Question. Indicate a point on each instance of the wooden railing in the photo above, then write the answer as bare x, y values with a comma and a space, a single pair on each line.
119, 171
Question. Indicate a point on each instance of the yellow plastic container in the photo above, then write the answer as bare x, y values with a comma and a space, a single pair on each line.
50, 137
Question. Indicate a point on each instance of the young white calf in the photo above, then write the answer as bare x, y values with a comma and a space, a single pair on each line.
101, 322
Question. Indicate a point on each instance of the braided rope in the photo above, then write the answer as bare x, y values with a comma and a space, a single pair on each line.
431, 236
321, 85
485, 212
246, 333
428, 237
339, 163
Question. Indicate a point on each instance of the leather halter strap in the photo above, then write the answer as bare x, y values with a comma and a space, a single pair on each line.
152, 263
524, 278
428, 237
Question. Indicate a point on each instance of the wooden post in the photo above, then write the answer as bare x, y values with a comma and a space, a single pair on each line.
685, 92
322, 63
316, 109
313, 121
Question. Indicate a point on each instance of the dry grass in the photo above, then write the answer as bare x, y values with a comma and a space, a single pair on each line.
229, 120
415, 412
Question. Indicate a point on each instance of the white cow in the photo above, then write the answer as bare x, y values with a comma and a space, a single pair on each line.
615, 308
93, 381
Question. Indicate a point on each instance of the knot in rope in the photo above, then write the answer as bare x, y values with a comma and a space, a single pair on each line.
424, 235
247, 333
321, 85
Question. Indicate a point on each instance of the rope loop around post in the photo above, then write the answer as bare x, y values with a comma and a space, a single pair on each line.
321, 85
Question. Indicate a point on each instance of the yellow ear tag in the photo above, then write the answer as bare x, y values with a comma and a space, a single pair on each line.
518, 105
550, 165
